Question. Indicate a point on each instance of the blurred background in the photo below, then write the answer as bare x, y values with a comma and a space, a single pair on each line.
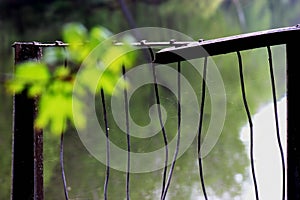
226, 168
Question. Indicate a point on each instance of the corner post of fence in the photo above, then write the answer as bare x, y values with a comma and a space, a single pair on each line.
27, 141
293, 125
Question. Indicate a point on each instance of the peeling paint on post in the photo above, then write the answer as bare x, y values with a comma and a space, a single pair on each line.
27, 142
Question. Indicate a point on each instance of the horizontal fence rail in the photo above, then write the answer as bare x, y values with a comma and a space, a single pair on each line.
228, 44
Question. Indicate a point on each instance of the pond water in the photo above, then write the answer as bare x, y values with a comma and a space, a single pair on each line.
267, 156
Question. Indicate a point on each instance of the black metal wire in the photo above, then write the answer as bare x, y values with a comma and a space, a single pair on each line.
249, 121
161, 122
276, 119
200, 128
107, 145
128, 136
62, 150
178, 132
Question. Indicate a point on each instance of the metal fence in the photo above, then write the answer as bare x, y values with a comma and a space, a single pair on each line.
27, 173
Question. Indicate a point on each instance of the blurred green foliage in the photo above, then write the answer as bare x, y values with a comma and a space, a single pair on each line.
54, 89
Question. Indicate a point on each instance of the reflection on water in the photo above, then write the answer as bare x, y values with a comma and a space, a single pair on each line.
266, 152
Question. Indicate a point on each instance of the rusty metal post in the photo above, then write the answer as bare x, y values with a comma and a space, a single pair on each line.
27, 143
293, 128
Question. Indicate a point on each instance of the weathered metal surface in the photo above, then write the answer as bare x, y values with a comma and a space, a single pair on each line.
27, 144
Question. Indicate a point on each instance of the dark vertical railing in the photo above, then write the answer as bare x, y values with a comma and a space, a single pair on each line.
287, 35
248, 113
126, 106
200, 126
293, 111
27, 144
273, 86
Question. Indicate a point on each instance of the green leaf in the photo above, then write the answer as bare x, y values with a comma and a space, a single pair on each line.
75, 33
78, 107
62, 72
14, 87
55, 111
35, 90
45, 111
56, 88
31, 75
113, 58
88, 78
98, 35
109, 80
31, 72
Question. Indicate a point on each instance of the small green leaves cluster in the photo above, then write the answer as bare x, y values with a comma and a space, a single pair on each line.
51, 80
53, 89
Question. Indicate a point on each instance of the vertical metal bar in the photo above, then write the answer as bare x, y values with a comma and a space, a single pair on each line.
38, 162
63, 176
105, 193
27, 144
273, 85
293, 131
200, 128
247, 109
126, 103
